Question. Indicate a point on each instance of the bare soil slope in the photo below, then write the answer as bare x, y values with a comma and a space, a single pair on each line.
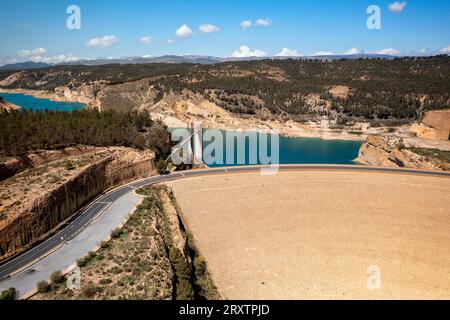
309, 235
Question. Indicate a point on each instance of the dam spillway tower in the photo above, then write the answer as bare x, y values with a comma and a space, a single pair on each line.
196, 142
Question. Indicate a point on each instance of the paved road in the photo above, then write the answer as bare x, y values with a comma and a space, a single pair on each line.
12, 268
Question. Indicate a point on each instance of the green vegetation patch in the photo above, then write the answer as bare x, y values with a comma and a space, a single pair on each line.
24, 131
8, 294
432, 153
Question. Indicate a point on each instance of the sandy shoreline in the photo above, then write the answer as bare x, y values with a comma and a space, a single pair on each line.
40, 94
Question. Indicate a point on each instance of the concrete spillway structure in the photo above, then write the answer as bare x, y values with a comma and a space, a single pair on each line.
197, 143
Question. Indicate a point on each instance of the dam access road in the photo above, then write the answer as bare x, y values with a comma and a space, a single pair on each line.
93, 223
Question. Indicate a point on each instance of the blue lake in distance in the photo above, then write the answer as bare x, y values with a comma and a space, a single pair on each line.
39, 104
291, 150
296, 151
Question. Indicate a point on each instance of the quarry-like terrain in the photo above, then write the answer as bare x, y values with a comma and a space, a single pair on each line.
150, 258
295, 236
6, 106
38, 197
332, 100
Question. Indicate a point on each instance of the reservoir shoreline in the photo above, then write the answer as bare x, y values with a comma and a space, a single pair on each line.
38, 101
231, 121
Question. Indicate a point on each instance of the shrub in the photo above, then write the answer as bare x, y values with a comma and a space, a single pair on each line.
84, 261
200, 266
43, 287
184, 290
161, 166
105, 281
9, 294
104, 245
69, 166
57, 277
81, 263
89, 290
116, 233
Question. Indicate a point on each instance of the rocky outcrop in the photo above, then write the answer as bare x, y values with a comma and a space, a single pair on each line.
192, 279
34, 222
435, 125
88, 94
163, 263
6, 106
391, 152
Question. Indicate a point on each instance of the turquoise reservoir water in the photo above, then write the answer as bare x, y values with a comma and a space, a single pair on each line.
31, 103
290, 151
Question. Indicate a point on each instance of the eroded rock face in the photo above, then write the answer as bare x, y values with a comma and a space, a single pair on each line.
435, 125
389, 152
89, 94
29, 223
32, 160
6, 106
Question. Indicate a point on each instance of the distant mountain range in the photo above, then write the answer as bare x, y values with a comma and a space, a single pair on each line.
24, 66
182, 59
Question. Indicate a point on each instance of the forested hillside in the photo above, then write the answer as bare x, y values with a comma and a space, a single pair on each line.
24, 131
402, 88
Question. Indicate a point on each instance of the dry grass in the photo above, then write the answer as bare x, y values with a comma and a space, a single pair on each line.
132, 265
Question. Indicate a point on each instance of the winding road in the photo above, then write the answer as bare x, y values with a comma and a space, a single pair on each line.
93, 224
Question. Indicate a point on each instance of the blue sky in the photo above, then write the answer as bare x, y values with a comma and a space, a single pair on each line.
36, 30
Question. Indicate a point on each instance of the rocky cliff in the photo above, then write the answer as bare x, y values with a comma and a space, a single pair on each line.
162, 264
26, 218
6, 106
392, 152
435, 125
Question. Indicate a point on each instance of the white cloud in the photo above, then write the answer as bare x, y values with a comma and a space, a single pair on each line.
55, 59
390, 52
352, 51
208, 28
245, 52
246, 24
445, 50
170, 41
183, 32
263, 22
37, 55
102, 42
146, 40
24, 53
397, 6
29, 53
39, 51
323, 53
288, 53
147, 56
7, 61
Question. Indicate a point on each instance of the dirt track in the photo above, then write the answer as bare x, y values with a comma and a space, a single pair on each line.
308, 235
